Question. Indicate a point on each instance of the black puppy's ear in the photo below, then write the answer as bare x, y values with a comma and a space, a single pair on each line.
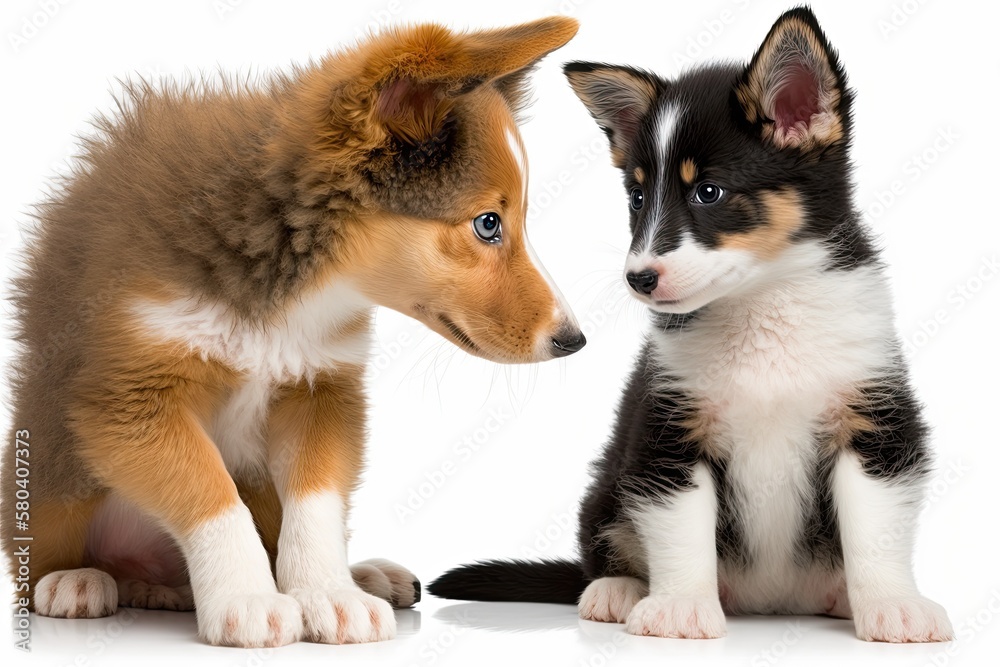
617, 97
795, 88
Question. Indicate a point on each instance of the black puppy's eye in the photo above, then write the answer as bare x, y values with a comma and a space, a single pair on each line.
487, 227
635, 198
707, 193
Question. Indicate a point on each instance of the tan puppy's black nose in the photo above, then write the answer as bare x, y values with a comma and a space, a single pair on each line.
566, 343
643, 282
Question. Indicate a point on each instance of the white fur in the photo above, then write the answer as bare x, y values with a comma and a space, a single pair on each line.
520, 158
305, 340
312, 567
666, 127
678, 536
698, 617
691, 276
877, 532
312, 547
236, 598
82, 593
308, 339
611, 599
876, 520
767, 361
237, 429
793, 332
345, 616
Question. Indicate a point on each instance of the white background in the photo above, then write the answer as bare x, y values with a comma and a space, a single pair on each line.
922, 71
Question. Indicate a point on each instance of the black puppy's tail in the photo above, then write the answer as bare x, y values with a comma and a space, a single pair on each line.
554, 581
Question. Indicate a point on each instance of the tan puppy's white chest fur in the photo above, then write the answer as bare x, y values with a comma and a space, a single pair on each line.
318, 333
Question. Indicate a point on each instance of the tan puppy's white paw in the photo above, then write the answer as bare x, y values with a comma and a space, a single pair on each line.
610, 599
681, 618
901, 620
260, 620
345, 616
387, 580
83, 593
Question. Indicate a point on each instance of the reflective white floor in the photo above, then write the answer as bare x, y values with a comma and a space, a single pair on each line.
472, 634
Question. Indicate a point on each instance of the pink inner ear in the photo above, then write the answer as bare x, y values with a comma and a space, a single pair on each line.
404, 96
797, 97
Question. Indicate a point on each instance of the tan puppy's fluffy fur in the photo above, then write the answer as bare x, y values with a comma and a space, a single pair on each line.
194, 315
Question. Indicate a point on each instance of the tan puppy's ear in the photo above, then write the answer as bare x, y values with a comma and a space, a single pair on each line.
516, 51
420, 71
794, 87
617, 97
505, 51
412, 110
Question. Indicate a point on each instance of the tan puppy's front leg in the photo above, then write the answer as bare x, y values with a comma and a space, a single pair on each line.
144, 440
316, 438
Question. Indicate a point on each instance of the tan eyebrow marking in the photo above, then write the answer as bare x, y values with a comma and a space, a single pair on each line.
689, 171
640, 175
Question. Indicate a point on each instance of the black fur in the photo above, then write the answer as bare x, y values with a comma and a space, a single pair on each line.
729, 542
820, 541
558, 582
897, 446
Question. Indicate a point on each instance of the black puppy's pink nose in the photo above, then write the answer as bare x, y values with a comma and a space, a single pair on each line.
643, 282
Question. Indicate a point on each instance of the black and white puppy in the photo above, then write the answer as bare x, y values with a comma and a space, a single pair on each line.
769, 454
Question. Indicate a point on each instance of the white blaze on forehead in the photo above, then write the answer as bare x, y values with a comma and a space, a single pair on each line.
520, 158
666, 127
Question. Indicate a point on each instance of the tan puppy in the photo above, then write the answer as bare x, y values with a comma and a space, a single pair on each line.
195, 317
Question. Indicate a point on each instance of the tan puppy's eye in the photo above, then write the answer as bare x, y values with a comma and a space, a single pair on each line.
487, 227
